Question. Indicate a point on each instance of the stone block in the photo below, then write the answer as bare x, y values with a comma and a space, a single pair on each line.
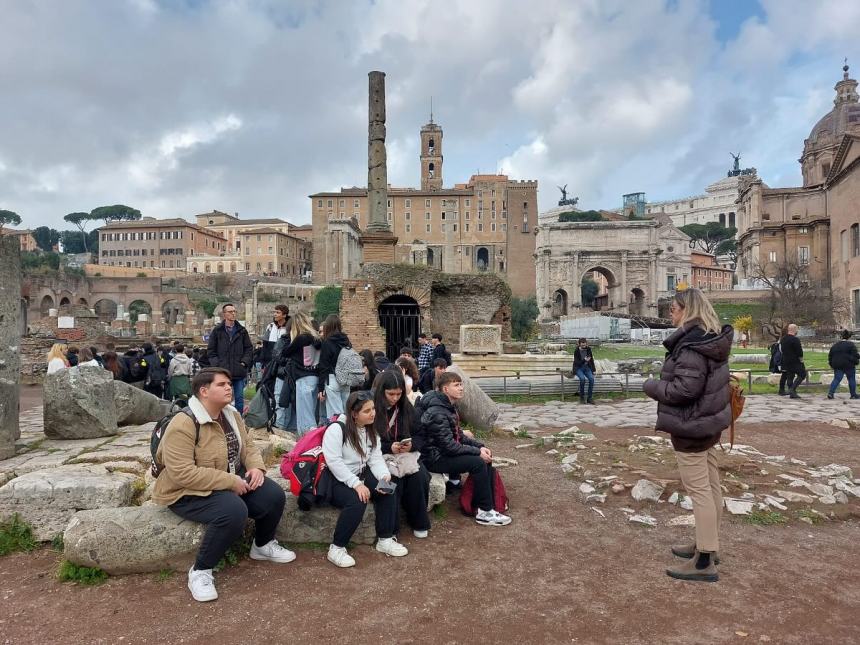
773, 379
134, 539
79, 404
480, 339
645, 490
134, 406
47, 499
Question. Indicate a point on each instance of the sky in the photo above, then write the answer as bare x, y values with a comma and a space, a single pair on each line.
179, 107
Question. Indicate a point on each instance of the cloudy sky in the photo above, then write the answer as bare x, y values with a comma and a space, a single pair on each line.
177, 107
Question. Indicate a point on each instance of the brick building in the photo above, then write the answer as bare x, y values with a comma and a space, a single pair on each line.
25, 238
161, 243
484, 225
707, 275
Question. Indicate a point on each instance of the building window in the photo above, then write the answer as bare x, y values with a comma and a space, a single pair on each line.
855, 240
341, 203
426, 215
329, 203
468, 202
408, 216
843, 239
409, 228
493, 227
803, 230
467, 227
443, 227
427, 203
771, 256
428, 227
408, 203
319, 204
803, 255
480, 227
248, 264
455, 228
504, 227
443, 216
670, 283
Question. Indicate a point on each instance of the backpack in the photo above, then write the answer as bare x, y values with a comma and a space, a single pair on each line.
157, 370
497, 489
305, 464
737, 401
349, 369
136, 369
158, 431
310, 356
777, 355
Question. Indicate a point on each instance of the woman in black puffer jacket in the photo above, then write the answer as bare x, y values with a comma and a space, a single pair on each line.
693, 406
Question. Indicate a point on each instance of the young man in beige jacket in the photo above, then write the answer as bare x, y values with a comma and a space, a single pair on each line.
217, 477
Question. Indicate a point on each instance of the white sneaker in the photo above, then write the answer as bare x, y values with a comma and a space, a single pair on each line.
338, 556
272, 551
491, 518
390, 546
202, 585
420, 534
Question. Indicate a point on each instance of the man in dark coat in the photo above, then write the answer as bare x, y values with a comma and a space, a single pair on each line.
843, 358
230, 347
793, 369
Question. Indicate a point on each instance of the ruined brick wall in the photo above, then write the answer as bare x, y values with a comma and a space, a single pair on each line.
358, 314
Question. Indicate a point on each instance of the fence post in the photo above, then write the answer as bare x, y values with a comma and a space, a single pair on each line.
505, 385
749, 381
626, 384
561, 376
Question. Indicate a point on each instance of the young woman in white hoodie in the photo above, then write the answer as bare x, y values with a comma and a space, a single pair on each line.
353, 455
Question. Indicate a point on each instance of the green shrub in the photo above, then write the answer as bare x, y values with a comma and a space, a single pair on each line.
141, 274
326, 302
16, 535
57, 542
584, 216
70, 572
524, 312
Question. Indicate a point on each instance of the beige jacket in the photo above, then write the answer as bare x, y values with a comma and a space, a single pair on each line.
200, 469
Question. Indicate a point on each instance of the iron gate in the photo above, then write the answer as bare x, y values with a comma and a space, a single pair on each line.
400, 317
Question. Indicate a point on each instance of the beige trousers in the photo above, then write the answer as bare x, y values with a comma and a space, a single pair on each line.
701, 478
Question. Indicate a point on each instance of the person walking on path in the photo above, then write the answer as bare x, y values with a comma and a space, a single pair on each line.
214, 474
230, 347
843, 358
694, 407
583, 367
793, 369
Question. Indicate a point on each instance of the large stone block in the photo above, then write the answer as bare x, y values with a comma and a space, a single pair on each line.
480, 339
47, 499
135, 406
476, 408
79, 403
134, 539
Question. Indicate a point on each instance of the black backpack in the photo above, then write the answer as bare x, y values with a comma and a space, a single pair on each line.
157, 369
136, 370
157, 468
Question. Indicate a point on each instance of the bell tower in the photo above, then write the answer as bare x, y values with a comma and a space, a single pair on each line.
431, 155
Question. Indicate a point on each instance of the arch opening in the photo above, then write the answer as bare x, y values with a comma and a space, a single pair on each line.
138, 307
106, 310
400, 317
559, 303
46, 304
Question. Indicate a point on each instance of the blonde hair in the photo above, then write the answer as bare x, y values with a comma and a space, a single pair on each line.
301, 324
696, 307
58, 350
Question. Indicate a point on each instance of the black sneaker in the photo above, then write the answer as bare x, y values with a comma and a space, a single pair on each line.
829, 396
451, 487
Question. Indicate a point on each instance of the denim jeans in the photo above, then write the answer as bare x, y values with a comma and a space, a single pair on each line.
306, 403
239, 394
281, 414
335, 396
584, 374
837, 379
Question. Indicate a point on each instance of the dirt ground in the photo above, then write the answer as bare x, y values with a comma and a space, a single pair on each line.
558, 574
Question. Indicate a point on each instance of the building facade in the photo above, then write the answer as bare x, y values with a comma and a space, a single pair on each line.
814, 226
150, 242
717, 204
484, 225
25, 238
707, 275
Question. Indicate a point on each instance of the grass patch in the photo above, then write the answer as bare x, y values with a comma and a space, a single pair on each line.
16, 535
810, 516
765, 518
440, 511
70, 572
239, 550
57, 543
280, 451
164, 575
522, 433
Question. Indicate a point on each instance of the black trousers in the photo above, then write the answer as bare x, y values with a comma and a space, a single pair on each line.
477, 468
352, 510
791, 379
413, 493
225, 514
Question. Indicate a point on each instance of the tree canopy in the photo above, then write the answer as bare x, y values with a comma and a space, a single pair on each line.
589, 291
46, 238
524, 312
80, 220
115, 213
9, 217
327, 301
580, 216
712, 237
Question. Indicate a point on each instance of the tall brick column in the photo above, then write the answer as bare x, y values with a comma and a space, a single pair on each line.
10, 362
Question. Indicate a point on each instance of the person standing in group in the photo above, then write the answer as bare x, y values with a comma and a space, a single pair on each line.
297, 365
583, 367
843, 358
355, 469
179, 374
214, 474
694, 407
396, 423
427, 382
446, 449
156, 370
114, 365
86, 358
230, 347
330, 391
57, 358
439, 349
793, 369
275, 337
425, 353
72, 356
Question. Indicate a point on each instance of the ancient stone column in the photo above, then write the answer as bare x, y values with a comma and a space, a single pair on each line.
476, 407
10, 362
377, 241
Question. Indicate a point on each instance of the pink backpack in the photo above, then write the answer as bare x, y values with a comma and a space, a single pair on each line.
305, 464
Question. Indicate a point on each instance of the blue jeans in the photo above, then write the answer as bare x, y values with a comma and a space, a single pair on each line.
281, 414
306, 404
584, 373
335, 396
837, 379
239, 393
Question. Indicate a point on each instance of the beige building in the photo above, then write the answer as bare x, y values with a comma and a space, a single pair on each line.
157, 243
25, 238
816, 225
486, 224
707, 275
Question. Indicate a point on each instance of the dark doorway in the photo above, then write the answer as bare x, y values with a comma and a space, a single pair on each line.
400, 317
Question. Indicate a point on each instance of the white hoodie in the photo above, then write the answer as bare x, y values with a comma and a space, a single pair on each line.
180, 365
345, 462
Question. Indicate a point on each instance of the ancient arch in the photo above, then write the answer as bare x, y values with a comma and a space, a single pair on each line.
65, 305
559, 303
45, 305
482, 258
637, 302
171, 310
83, 302
138, 307
106, 310
400, 318
430, 257
607, 295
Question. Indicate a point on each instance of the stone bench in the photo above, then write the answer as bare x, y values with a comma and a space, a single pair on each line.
149, 538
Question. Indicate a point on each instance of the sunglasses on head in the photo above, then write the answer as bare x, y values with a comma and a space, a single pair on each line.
362, 397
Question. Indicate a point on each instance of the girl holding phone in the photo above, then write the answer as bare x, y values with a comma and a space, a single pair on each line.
395, 423
355, 468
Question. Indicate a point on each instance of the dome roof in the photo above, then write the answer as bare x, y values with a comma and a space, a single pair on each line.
842, 119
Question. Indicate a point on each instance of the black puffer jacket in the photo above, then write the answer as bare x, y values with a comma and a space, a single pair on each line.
843, 356
329, 352
693, 391
440, 434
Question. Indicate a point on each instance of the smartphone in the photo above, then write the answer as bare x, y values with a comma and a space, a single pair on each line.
385, 487
407, 440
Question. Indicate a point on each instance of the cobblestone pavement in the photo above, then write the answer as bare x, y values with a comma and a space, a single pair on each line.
638, 413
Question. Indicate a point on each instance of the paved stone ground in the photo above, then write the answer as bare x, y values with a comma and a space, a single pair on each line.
639, 413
